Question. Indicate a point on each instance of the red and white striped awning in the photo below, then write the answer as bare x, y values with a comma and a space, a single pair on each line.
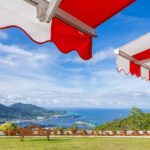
134, 57
71, 22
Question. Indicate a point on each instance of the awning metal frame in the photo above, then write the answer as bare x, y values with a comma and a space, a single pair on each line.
47, 10
130, 58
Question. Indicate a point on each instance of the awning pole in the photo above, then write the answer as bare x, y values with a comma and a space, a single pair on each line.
47, 10
64, 16
145, 61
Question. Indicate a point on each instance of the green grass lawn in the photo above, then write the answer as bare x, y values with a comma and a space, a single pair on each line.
85, 143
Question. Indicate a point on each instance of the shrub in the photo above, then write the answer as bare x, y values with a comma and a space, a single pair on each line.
8, 126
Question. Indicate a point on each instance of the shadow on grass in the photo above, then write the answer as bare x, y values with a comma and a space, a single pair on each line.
50, 140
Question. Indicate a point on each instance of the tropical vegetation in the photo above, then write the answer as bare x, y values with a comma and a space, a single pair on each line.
25, 111
136, 120
8, 126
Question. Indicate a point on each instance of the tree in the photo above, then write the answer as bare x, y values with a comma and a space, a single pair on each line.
8, 126
136, 120
136, 112
74, 129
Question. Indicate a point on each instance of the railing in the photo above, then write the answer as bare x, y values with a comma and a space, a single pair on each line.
38, 131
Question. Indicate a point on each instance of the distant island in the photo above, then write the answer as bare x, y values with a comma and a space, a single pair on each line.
26, 111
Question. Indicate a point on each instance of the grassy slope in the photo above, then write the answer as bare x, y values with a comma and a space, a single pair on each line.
75, 144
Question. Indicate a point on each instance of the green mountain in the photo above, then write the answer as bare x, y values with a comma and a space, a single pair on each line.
136, 120
25, 111
7, 112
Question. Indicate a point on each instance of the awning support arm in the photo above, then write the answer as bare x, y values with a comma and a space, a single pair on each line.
145, 61
47, 10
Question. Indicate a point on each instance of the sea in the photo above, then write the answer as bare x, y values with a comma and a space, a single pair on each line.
81, 117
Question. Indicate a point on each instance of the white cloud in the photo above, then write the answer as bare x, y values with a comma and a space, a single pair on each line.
18, 57
12, 49
44, 78
131, 20
99, 56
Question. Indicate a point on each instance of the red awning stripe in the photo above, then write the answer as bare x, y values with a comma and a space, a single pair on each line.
68, 38
143, 55
135, 69
94, 12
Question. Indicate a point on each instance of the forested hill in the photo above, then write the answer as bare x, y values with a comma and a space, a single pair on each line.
136, 120
25, 111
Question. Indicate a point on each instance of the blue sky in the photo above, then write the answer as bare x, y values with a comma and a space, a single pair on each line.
40, 74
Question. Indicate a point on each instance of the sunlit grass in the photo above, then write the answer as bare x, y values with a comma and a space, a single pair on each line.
69, 143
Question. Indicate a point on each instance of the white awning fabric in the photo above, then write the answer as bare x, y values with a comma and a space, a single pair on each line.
19, 13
